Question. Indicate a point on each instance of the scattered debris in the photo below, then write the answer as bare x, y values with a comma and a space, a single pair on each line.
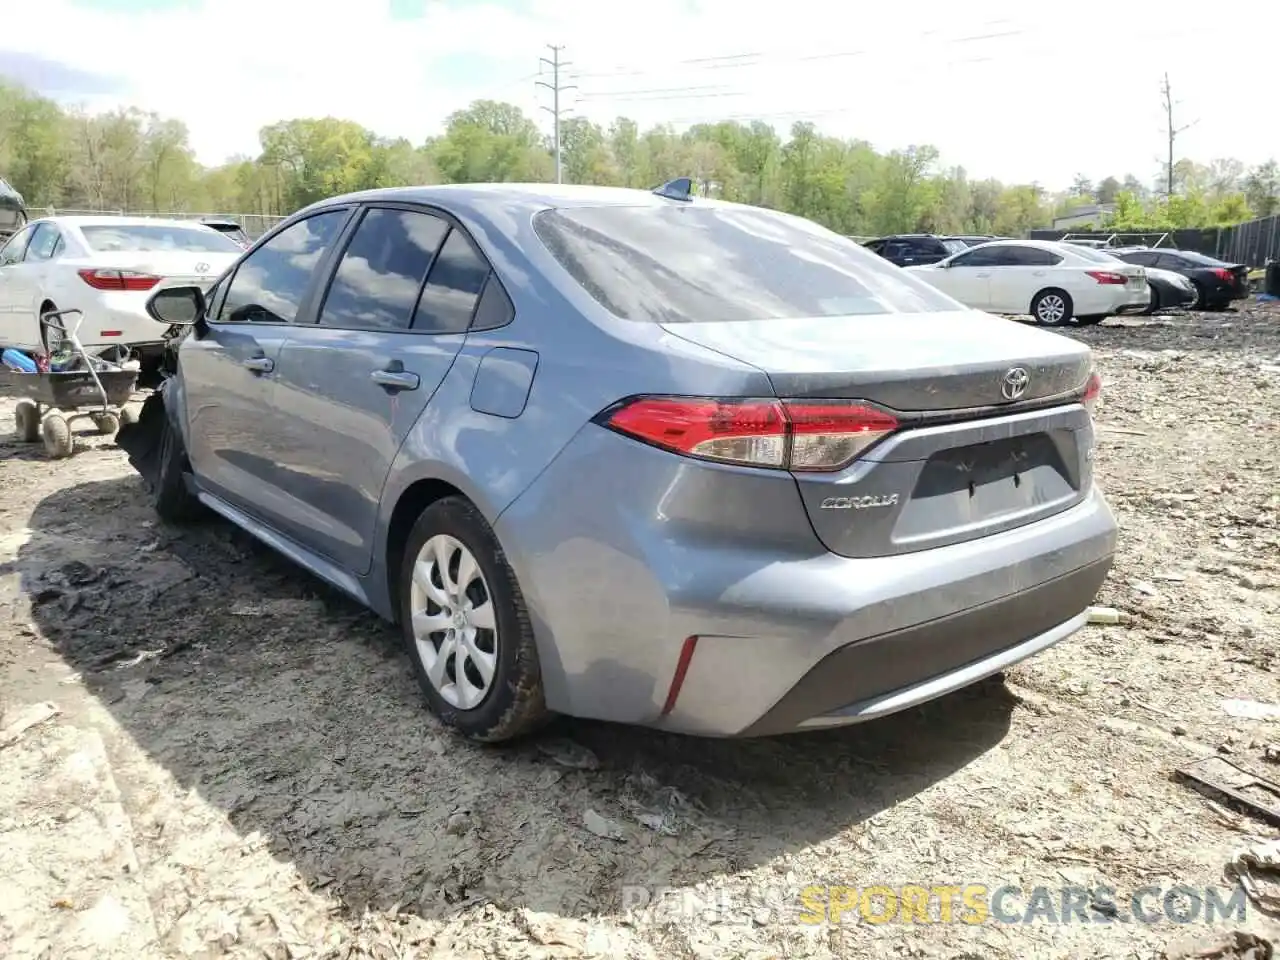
602, 826
1258, 870
1259, 796
1235, 945
1105, 615
281, 607
1251, 709
569, 754
32, 716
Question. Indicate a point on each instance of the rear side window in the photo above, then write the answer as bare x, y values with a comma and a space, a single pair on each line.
16, 248
452, 289
270, 283
685, 264
376, 284
1030, 257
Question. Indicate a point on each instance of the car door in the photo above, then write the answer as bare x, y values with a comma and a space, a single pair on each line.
351, 385
31, 279
966, 277
228, 365
12, 333
1018, 274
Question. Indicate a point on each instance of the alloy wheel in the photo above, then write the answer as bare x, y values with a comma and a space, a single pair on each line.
1051, 309
453, 622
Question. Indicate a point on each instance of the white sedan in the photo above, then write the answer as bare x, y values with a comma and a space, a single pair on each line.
105, 267
1052, 282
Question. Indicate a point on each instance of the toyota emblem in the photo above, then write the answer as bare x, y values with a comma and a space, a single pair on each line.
1014, 384
202, 268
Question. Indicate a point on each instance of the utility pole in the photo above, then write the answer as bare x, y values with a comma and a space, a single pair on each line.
556, 87
1171, 132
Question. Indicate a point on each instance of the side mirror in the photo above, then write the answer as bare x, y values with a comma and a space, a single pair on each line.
176, 306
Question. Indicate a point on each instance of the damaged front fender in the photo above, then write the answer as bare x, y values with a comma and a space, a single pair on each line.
141, 440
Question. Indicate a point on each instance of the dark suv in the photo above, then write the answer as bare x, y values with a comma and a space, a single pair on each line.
913, 249
13, 210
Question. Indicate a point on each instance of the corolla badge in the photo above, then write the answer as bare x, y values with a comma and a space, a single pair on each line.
859, 503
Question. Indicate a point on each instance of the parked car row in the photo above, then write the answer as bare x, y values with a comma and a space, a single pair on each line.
1058, 281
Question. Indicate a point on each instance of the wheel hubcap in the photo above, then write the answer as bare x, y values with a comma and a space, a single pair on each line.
1052, 309
453, 622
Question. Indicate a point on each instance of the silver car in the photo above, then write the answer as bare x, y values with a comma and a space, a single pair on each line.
637, 456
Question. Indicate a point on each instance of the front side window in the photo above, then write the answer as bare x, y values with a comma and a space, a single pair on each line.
984, 257
271, 282
149, 238
376, 285
452, 288
686, 264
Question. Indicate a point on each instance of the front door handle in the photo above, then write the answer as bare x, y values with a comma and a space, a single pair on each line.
394, 378
984, 276
258, 364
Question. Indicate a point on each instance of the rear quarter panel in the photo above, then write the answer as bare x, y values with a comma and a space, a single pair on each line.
587, 359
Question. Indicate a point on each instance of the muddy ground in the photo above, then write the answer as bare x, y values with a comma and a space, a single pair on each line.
241, 765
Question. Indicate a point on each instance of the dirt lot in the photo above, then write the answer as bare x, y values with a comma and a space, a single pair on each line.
241, 766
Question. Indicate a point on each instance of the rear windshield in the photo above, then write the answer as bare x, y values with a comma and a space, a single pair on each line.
1089, 253
155, 237
1199, 259
684, 264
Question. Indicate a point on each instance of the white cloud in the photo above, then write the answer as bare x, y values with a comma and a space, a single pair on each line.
1047, 91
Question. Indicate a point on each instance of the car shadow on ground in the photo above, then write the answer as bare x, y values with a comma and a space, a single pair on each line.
292, 711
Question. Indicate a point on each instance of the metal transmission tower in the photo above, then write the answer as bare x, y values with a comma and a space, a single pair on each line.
555, 86
1171, 132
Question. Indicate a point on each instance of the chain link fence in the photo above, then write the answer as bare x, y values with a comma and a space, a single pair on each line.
253, 224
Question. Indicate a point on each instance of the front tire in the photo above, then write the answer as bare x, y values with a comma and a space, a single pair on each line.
106, 423
172, 501
1052, 307
466, 626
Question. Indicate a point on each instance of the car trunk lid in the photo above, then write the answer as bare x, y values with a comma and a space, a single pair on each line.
991, 434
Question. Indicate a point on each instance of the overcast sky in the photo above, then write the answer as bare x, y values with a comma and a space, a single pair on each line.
1019, 91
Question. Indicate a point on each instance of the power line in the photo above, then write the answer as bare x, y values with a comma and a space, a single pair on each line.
556, 87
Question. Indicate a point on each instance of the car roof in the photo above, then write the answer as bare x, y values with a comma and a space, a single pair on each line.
107, 220
463, 198
1053, 245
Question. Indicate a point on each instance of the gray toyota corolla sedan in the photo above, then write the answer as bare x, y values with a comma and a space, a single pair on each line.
637, 456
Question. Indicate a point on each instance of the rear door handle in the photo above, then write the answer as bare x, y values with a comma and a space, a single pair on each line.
258, 364
395, 378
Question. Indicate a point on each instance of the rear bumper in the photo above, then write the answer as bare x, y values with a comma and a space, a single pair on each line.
891, 672
624, 551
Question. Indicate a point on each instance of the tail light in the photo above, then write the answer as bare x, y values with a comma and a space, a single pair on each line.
118, 279
1223, 274
802, 435
1092, 390
1108, 277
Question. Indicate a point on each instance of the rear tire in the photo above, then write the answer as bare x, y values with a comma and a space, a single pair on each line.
1154, 305
1198, 302
172, 501
58, 441
454, 565
1052, 307
26, 421
49, 336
